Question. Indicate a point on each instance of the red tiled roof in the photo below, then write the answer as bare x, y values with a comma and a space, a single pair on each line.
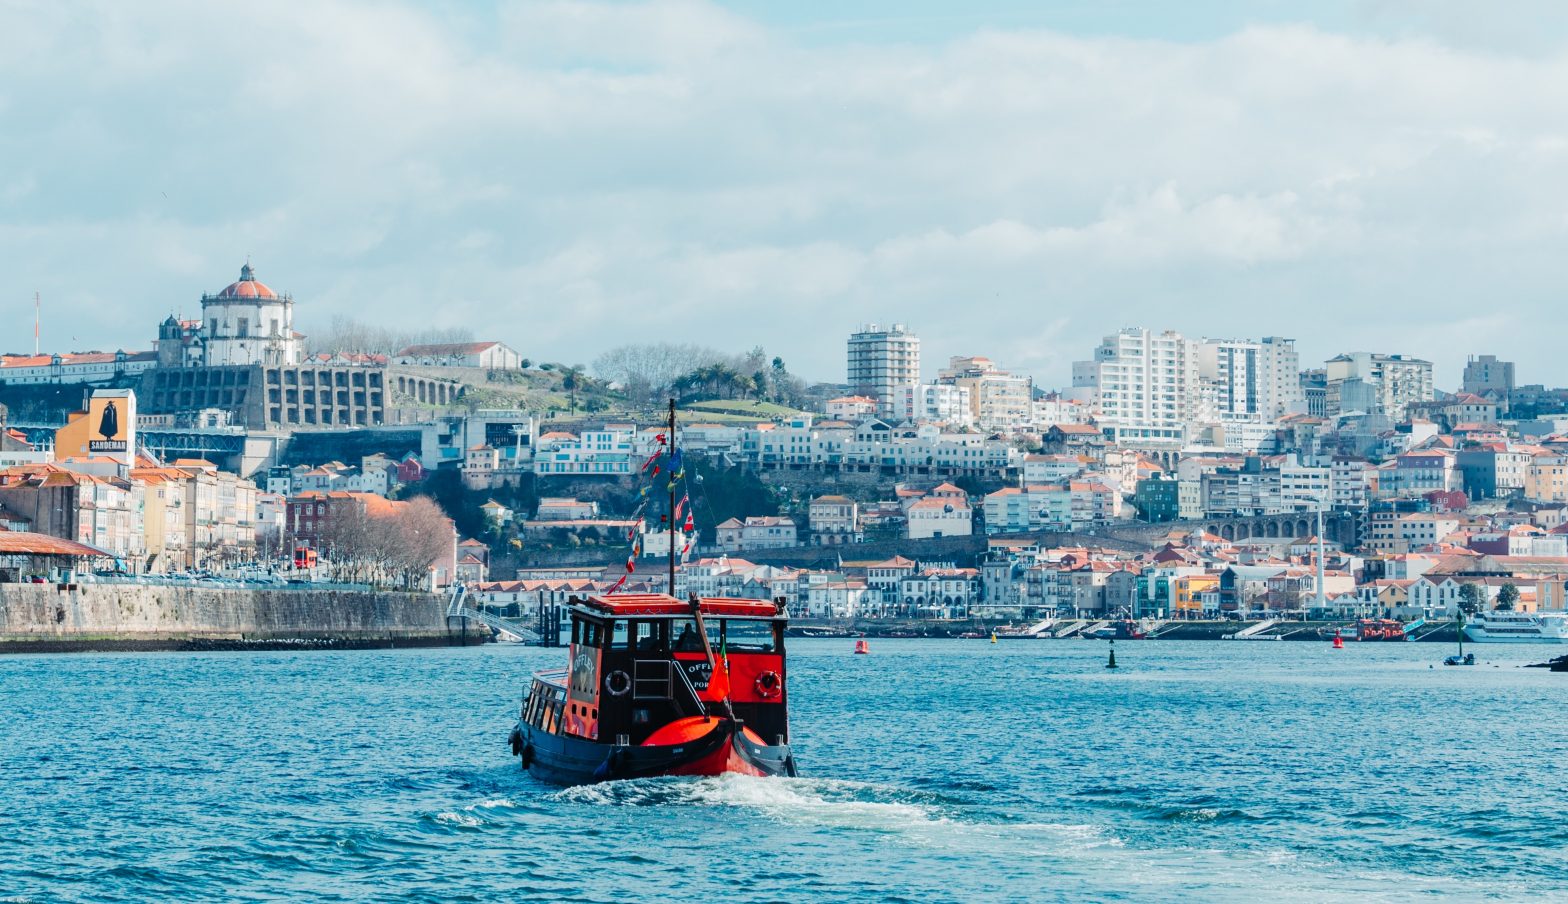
247, 286
24, 543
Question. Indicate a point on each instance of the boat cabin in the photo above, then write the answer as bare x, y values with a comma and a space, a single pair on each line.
639, 662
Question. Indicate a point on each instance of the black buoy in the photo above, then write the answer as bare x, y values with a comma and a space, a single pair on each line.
1112, 663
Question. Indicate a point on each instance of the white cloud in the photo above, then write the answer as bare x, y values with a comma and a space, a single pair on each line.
570, 176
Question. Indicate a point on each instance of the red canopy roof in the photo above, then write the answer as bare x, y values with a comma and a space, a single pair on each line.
30, 544
631, 604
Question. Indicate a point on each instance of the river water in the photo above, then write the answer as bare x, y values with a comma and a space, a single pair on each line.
932, 771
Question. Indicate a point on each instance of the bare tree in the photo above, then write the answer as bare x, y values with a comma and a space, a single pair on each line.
345, 334
425, 536
647, 371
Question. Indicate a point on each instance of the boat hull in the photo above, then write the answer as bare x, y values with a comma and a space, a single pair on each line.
566, 760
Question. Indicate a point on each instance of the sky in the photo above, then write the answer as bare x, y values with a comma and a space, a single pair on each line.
1011, 179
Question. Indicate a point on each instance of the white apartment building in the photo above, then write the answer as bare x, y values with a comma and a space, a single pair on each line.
939, 403
1043, 469
1349, 481
937, 516
881, 361
1146, 386
597, 453
1243, 380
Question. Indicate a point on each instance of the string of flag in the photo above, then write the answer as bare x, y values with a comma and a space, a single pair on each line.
669, 462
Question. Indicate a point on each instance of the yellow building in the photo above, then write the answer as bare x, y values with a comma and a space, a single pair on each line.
1546, 478
1187, 594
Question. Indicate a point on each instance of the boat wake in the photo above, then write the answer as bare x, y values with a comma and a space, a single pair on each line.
800, 800
917, 817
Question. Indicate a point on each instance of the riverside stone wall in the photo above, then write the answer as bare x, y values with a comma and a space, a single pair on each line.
84, 616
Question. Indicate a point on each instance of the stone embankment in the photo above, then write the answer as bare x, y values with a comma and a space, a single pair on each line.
70, 617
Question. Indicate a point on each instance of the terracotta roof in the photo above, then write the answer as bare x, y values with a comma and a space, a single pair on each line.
25, 543
247, 286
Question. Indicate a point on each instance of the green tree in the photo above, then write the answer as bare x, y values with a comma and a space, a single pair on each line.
1507, 597
1469, 598
571, 381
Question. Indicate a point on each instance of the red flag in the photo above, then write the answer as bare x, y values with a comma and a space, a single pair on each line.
719, 684
617, 585
631, 566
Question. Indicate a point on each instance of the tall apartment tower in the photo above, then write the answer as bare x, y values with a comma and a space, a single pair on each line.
1486, 375
882, 362
1246, 380
1146, 384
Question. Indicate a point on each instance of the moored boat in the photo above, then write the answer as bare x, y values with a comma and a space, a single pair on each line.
1517, 627
1379, 629
656, 686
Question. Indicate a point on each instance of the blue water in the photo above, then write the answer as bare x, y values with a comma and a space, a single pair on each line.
934, 771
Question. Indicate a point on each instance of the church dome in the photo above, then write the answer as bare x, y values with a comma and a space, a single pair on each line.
248, 286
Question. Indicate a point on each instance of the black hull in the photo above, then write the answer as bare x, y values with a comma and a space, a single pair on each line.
564, 760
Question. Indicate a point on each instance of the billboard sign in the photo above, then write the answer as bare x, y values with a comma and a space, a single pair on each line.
111, 422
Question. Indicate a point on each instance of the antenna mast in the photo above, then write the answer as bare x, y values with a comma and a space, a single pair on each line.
38, 316
672, 498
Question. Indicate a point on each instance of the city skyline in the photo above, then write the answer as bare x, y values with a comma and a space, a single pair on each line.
1235, 174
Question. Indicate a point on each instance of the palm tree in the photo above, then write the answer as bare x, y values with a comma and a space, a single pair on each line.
571, 381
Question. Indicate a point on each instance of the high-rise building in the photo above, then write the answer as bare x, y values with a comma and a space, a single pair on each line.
998, 400
1243, 380
1485, 375
883, 361
1376, 384
1146, 386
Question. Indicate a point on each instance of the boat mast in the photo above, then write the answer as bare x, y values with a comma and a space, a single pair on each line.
672, 498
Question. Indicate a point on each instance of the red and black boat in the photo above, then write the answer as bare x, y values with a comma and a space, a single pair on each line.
659, 686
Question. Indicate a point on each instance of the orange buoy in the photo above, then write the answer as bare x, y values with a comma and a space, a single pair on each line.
861, 646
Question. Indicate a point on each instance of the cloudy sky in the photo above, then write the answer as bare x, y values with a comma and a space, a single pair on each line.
1012, 178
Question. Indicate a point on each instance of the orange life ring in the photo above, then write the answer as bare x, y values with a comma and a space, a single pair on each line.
768, 685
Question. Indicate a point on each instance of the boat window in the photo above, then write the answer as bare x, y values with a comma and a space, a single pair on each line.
592, 634
686, 638
618, 635
748, 636
650, 635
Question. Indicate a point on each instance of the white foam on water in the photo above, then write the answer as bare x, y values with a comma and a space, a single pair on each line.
468, 816
466, 820
800, 801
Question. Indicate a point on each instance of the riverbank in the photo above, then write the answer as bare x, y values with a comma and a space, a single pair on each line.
1321, 631
56, 618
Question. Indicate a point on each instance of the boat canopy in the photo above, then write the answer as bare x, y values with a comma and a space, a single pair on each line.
627, 605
